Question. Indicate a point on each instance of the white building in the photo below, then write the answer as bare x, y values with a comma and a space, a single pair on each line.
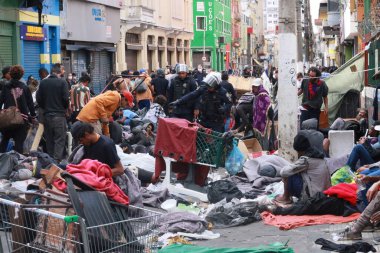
270, 17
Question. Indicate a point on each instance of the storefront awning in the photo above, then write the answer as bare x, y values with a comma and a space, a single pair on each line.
90, 48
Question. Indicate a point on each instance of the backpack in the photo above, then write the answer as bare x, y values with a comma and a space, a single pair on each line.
141, 87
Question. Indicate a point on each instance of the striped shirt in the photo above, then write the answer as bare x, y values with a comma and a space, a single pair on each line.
80, 95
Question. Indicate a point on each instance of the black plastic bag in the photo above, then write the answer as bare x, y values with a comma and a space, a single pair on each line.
221, 189
233, 214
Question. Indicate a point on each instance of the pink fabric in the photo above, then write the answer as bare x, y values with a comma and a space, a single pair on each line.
287, 222
98, 175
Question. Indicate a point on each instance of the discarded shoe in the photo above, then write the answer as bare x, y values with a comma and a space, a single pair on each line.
347, 234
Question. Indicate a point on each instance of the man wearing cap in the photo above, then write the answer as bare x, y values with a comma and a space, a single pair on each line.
99, 110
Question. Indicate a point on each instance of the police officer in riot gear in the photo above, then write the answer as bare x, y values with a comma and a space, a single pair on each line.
212, 104
180, 86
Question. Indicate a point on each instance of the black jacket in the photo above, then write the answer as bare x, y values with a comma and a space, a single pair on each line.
191, 85
23, 95
160, 85
53, 96
230, 90
209, 112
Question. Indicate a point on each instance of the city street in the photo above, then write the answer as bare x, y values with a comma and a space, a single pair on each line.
136, 125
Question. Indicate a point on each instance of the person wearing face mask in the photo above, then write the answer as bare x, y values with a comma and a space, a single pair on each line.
315, 93
199, 74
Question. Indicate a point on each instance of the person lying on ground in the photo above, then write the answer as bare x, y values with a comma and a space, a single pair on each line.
156, 110
354, 232
307, 176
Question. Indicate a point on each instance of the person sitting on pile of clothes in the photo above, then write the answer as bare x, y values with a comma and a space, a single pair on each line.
307, 176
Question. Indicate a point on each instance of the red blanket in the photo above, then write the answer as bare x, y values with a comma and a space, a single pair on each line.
343, 191
98, 175
287, 222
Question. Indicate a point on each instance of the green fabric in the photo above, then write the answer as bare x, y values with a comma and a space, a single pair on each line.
343, 80
343, 175
272, 248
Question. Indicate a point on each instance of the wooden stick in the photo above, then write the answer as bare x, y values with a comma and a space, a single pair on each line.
37, 138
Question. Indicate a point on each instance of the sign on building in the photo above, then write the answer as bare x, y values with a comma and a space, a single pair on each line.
31, 32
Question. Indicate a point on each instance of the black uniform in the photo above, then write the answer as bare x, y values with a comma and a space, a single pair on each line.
213, 106
179, 88
160, 85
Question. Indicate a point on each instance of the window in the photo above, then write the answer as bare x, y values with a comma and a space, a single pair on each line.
201, 23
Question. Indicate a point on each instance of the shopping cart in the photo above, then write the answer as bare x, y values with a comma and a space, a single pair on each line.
39, 228
190, 144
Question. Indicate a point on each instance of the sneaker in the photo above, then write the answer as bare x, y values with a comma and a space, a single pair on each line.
368, 229
347, 234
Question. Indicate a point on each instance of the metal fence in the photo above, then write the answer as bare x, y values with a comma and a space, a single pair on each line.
25, 229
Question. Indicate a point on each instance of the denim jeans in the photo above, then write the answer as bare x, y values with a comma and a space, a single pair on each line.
359, 153
372, 172
310, 114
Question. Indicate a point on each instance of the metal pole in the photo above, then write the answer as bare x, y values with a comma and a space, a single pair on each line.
287, 90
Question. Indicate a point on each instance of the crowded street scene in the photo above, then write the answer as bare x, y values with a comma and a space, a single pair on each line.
189, 126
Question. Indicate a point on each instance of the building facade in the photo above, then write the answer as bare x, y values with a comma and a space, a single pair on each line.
26, 38
211, 46
236, 33
271, 17
89, 32
154, 34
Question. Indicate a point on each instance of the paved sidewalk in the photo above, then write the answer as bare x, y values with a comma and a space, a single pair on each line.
300, 239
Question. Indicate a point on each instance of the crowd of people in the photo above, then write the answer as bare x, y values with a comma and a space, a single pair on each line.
128, 110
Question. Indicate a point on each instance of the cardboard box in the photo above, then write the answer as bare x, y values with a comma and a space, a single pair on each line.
253, 145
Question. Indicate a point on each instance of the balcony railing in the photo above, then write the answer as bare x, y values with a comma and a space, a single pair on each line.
140, 13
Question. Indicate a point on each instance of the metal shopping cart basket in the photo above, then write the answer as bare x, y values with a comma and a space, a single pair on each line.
27, 228
211, 147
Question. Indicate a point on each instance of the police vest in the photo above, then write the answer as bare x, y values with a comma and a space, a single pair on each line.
211, 106
181, 88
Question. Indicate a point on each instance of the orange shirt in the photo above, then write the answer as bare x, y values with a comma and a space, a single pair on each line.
102, 106
148, 93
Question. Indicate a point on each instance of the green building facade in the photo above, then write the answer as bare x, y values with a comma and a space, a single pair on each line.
212, 34
9, 43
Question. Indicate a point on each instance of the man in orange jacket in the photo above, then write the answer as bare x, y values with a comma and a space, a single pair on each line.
99, 110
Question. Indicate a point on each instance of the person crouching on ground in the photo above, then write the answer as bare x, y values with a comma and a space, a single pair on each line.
307, 176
